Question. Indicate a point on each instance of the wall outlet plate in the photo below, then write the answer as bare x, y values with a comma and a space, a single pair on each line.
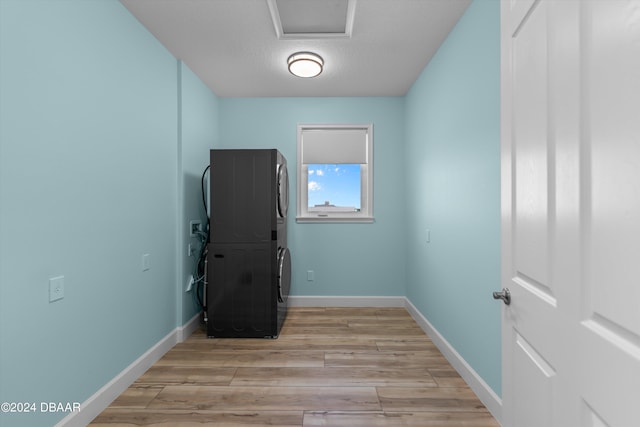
56, 288
195, 227
189, 283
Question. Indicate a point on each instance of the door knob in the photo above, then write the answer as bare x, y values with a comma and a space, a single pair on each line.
504, 295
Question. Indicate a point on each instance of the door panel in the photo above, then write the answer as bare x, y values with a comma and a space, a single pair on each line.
519, 11
532, 386
284, 274
611, 222
612, 54
241, 291
536, 405
571, 212
530, 132
590, 418
283, 190
243, 199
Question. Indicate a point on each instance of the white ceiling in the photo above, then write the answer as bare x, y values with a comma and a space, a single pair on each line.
233, 46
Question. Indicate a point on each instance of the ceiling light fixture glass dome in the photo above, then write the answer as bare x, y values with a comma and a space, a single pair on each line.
305, 64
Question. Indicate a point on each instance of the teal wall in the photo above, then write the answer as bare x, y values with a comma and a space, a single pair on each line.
347, 259
198, 133
90, 155
453, 190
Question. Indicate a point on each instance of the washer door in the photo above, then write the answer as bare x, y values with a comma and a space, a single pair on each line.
284, 274
283, 190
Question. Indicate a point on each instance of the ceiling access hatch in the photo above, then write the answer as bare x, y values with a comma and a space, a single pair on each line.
312, 19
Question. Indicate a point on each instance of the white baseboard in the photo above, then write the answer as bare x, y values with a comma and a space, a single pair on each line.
486, 395
344, 301
101, 399
188, 328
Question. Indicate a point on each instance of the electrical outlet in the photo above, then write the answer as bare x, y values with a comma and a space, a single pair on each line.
146, 262
56, 288
189, 283
428, 236
195, 227
310, 276
189, 250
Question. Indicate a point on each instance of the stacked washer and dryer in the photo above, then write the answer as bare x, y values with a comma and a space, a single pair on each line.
248, 262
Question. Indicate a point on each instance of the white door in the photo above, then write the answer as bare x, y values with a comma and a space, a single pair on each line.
571, 212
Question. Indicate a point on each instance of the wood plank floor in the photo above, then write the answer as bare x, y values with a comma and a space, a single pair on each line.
352, 367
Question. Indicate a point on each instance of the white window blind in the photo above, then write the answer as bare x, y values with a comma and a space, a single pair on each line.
334, 146
335, 173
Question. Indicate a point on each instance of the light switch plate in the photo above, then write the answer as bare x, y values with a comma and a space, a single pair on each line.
146, 262
56, 288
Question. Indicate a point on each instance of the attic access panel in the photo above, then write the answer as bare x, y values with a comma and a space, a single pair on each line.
305, 19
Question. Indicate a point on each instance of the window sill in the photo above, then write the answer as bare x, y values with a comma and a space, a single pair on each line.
334, 219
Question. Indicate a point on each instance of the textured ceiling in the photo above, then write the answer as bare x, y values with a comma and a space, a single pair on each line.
233, 45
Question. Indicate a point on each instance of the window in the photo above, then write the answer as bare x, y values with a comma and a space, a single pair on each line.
335, 173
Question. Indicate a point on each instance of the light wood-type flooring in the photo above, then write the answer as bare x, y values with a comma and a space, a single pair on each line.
352, 367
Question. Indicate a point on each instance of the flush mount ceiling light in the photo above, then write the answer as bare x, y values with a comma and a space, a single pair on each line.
305, 64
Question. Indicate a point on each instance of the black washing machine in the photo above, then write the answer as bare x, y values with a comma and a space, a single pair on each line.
249, 264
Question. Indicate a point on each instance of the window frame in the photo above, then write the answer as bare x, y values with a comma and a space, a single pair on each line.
365, 215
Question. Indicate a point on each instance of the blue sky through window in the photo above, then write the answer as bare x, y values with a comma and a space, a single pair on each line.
337, 184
